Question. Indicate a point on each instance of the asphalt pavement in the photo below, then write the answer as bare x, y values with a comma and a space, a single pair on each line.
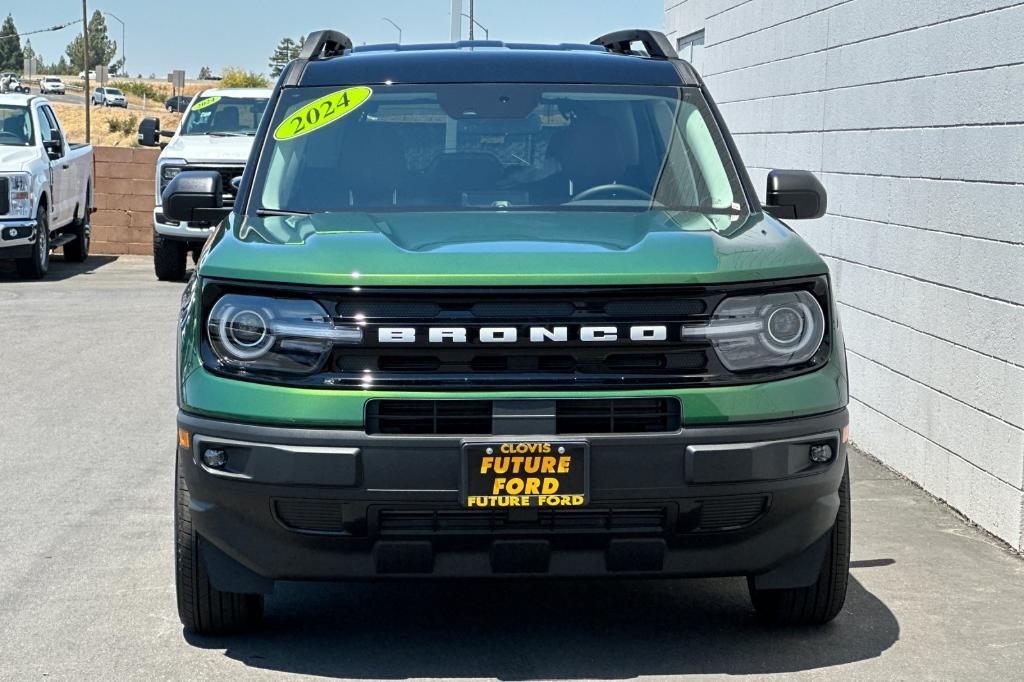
86, 585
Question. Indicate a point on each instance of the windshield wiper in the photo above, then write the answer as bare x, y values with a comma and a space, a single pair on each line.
264, 212
227, 133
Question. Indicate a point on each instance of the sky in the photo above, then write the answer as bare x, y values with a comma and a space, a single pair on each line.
189, 34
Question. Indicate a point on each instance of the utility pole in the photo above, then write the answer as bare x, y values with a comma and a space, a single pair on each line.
123, 60
397, 27
85, 63
472, 21
456, 21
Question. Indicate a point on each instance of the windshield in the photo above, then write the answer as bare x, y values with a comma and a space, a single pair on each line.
15, 126
495, 147
114, 91
227, 116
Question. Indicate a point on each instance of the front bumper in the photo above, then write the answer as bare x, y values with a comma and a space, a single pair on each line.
178, 230
318, 504
20, 243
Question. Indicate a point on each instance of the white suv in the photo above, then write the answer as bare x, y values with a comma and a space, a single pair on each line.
51, 85
109, 97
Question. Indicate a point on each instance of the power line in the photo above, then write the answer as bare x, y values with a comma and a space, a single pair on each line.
41, 30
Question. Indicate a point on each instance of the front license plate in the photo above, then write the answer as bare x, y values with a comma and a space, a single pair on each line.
525, 473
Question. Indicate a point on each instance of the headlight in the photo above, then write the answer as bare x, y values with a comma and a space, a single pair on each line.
258, 333
20, 194
771, 330
167, 169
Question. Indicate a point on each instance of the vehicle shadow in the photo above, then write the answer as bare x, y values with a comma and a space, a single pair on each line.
59, 268
563, 629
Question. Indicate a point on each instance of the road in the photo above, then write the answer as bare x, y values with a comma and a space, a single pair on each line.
86, 587
79, 98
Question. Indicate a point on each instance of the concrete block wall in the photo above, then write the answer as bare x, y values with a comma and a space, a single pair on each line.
123, 222
911, 114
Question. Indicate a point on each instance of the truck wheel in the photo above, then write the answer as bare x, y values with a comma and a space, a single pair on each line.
168, 259
202, 608
821, 602
36, 265
77, 251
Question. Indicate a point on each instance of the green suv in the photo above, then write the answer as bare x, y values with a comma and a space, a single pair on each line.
505, 310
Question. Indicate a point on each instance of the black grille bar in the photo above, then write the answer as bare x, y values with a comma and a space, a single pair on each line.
476, 417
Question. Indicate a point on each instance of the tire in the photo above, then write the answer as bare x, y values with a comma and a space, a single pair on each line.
37, 265
819, 603
78, 250
168, 259
202, 608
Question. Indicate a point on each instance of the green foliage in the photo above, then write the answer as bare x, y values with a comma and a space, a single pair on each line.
101, 48
11, 56
141, 89
124, 126
285, 51
234, 77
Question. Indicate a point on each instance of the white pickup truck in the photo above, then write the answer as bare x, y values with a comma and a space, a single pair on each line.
46, 187
216, 133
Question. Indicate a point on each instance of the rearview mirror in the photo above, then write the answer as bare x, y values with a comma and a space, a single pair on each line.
195, 196
149, 132
795, 195
53, 149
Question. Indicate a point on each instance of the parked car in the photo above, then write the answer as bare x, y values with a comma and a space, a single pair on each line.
51, 85
109, 97
178, 103
517, 313
215, 134
46, 187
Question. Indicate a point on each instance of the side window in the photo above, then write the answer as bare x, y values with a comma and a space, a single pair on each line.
46, 130
54, 124
691, 48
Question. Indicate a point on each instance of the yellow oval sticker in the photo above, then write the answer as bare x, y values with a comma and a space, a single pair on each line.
319, 113
203, 103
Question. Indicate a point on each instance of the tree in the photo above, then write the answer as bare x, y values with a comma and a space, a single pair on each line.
285, 51
101, 48
205, 74
11, 56
61, 68
117, 67
233, 77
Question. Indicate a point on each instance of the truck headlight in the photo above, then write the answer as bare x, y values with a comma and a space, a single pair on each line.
771, 330
20, 194
166, 170
258, 333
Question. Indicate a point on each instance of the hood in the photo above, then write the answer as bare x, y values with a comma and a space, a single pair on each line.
14, 159
507, 248
200, 148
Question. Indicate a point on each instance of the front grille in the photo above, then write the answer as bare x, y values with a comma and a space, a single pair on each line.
429, 417
5, 197
626, 520
729, 513
631, 415
568, 416
552, 342
314, 516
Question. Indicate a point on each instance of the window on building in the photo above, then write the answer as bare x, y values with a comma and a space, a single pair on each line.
691, 48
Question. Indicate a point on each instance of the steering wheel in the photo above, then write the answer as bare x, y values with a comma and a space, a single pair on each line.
13, 136
600, 190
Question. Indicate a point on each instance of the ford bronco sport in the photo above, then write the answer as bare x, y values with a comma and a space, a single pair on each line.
505, 310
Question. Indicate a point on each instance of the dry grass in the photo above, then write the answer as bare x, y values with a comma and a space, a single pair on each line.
72, 117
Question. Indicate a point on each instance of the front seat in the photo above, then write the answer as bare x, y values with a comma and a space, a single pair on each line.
590, 152
226, 120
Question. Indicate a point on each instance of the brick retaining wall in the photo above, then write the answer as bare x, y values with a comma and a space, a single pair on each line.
123, 222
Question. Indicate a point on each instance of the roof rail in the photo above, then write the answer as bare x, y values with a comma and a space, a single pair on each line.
655, 43
325, 44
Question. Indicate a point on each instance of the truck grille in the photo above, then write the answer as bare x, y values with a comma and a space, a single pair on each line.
5, 197
432, 522
619, 360
476, 417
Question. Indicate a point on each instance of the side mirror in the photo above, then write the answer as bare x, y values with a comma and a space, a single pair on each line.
53, 148
195, 196
149, 132
795, 195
